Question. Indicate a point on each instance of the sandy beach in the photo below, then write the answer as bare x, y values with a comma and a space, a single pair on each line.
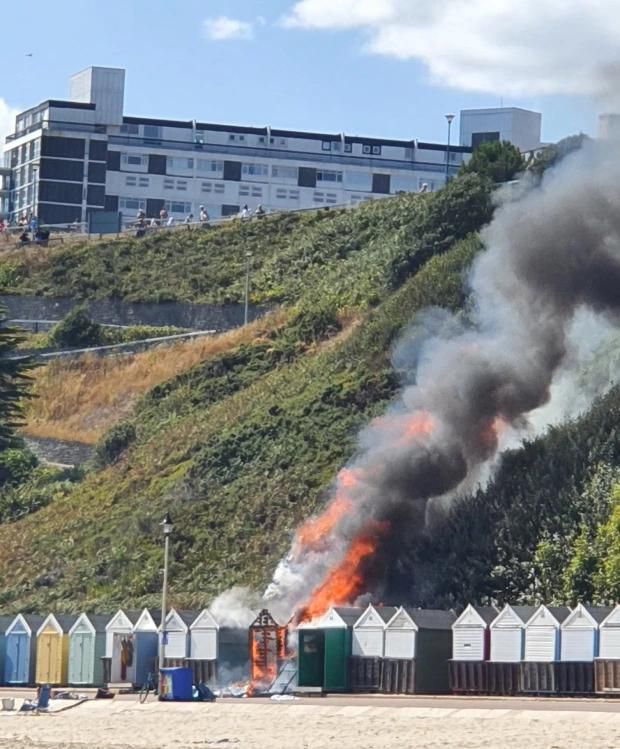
376, 724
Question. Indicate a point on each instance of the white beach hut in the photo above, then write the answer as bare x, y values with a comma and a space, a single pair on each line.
542, 634
204, 637
119, 647
470, 633
609, 635
580, 633
177, 641
369, 632
507, 633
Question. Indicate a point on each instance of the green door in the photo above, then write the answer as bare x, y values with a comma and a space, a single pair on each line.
337, 653
310, 656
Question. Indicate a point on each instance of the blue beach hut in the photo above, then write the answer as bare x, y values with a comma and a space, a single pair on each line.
20, 642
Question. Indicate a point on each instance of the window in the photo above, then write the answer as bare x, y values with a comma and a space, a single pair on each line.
293, 194
331, 198
130, 129
206, 165
178, 206
327, 175
143, 181
236, 138
168, 184
257, 192
366, 149
277, 141
262, 140
181, 184
152, 131
132, 204
219, 188
175, 164
337, 145
376, 150
319, 197
244, 191
131, 181
348, 147
37, 149
132, 159
254, 170
206, 186
326, 145
281, 194
285, 172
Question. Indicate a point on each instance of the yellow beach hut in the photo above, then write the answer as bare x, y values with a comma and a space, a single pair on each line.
53, 649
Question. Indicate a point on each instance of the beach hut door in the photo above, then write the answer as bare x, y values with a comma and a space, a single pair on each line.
123, 658
17, 648
47, 657
83, 657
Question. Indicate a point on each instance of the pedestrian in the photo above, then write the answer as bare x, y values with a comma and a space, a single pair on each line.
163, 216
189, 220
34, 224
260, 211
204, 217
170, 221
245, 212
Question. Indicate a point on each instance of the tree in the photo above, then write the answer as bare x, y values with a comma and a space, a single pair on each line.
497, 161
554, 153
77, 329
13, 382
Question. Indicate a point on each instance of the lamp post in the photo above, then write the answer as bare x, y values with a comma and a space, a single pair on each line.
449, 118
248, 259
166, 526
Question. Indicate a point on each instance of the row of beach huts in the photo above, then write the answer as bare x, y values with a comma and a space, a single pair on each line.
518, 650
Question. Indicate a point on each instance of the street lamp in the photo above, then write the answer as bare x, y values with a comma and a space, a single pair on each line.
248, 260
449, 118
166, 525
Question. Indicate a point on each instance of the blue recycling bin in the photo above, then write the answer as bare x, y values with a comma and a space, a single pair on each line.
176, 684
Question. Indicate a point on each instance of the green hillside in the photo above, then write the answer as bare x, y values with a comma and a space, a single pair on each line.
244, 446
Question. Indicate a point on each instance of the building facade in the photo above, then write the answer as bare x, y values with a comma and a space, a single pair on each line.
521, 127
67, 158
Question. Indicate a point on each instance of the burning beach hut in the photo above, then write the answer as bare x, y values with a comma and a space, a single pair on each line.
86, 650
418, 646
20, 649
470, 649
267, 643
53, 649
119, 661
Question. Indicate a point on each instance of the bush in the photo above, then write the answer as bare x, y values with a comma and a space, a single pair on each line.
110, 447
16, 466
77, 330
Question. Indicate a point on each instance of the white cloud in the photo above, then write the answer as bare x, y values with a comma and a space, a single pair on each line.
500, 46
224, 28
7, 121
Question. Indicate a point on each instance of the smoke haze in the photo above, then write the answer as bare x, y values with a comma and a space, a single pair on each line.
551, 272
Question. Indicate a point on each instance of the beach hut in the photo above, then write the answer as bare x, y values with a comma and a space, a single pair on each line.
119, 661
146, 644
609, 635
324, 650
470, 649
542, 634
176, 641
20, 649
580, 633
607, 665
418, 647
203, 637
368, 648
53, 649
5, 623
507, 632
87, 642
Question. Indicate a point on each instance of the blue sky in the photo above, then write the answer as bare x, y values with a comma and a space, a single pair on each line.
314, 78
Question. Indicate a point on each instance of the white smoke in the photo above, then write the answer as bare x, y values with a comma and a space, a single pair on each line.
528, 48
7, 122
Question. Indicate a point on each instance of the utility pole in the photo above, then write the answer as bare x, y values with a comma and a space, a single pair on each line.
167, 526
449, 118
248, 259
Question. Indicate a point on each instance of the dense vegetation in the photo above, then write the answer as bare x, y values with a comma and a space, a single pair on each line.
244, 444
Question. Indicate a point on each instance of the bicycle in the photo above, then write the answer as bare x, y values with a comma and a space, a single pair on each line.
150, 685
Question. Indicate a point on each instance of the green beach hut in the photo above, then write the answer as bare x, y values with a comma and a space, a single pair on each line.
86, 649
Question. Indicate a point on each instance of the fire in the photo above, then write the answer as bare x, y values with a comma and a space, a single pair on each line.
345, 582
420, 424
313, 534
493, 431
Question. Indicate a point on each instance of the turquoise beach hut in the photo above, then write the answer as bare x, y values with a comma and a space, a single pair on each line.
87, 641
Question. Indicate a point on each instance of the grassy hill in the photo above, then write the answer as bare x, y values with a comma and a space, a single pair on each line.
241, 440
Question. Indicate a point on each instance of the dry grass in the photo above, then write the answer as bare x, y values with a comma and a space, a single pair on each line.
80, 399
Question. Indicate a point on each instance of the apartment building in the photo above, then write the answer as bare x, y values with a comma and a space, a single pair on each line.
68, 158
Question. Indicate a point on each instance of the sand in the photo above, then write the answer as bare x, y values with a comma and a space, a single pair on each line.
253, 725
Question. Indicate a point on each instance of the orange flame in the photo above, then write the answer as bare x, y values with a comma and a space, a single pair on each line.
267, 649
345, 582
